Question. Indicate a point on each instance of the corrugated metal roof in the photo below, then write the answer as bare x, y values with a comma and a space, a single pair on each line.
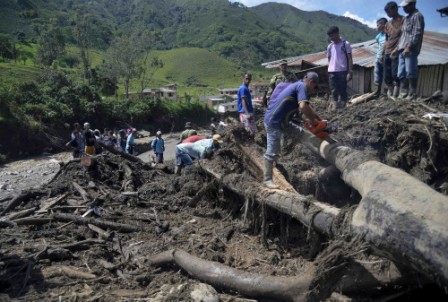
434, 52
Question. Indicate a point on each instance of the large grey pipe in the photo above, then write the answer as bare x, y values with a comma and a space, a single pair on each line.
405, 219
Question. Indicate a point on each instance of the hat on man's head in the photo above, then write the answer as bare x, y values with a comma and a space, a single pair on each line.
311, 75
159, 132
217, 138
406, 2
188, 125
283, 62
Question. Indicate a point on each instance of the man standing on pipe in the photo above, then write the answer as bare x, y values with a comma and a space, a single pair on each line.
286, 99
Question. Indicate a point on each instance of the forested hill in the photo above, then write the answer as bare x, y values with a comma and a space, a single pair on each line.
252, 35
312, 26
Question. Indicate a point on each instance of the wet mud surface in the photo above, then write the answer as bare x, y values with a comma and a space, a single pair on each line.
60, 260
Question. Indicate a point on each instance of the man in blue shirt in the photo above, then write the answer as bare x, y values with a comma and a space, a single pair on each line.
158, 145
285, 101
187, 152
381, 39
245, 105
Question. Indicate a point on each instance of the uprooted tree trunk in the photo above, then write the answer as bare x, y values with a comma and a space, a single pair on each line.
248, 284
402, 218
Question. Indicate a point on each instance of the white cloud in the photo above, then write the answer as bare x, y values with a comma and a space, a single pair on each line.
300, 4
371, 24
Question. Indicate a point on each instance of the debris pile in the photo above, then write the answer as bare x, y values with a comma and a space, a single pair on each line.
107, 228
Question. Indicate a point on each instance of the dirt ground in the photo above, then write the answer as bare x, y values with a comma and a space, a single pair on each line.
147, 211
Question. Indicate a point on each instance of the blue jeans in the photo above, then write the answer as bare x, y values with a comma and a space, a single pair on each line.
159, 158
407, 66
391, 70
338, 86
378, 77
274, 137
183, 158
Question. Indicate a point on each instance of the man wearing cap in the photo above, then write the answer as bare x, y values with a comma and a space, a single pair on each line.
286, 100
187, 152
393, 31
408, 48
187, 132
158, 145
130, 141
283, 76
340, 67
89, 139
245, 107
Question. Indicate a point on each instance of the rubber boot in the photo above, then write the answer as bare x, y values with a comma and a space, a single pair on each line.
390, 91
396, 91
177, 169
378, 90
268, 171
412, 95
404, 85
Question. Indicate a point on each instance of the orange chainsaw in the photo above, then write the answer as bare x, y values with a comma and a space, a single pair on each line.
321, 129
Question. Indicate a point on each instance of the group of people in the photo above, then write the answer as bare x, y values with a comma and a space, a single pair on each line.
88, 141
190, 147
400, 41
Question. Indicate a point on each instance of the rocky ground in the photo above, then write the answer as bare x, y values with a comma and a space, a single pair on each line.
133, 211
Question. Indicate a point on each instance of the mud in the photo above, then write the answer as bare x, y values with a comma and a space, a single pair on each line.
194, 213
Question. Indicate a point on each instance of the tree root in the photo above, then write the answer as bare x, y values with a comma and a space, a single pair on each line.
292, 289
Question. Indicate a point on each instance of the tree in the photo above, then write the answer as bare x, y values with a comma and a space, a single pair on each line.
51, 45
124, 58
6, 47
82, 36
149, 40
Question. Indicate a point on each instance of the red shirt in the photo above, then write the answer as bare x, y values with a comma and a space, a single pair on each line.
193, 138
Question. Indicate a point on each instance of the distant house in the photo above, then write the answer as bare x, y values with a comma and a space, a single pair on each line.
213, 101
162, 93
432, 63
229, 91
228, 107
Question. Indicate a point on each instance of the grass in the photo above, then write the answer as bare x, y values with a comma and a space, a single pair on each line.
195, 71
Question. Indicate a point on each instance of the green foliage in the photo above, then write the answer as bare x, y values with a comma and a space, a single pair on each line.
51, 46
248, 36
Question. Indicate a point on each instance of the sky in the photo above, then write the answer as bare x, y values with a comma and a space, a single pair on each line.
367, 11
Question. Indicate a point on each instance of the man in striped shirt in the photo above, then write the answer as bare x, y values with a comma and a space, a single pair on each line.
409, 47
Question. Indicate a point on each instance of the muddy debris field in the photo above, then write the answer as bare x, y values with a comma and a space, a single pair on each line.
109, 228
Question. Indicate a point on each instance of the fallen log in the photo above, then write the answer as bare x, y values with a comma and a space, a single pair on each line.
62, 270
81, 191
129, 157
19, 214
332, 270
363, 98
120, 227
51, 202
23, 196
402, 218
248, 284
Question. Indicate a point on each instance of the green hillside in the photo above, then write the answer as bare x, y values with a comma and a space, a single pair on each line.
248, 35
312, 26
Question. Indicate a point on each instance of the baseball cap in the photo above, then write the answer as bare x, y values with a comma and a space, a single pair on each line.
406, 2
311, 75
217, 138
159, 132
283, 62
